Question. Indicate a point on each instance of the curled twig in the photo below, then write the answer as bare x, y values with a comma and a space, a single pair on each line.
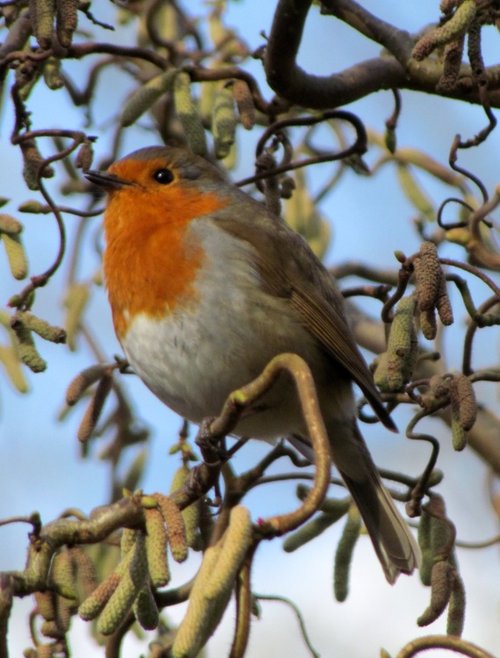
359, 146
449, 642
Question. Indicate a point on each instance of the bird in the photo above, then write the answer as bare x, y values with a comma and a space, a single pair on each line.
206, 286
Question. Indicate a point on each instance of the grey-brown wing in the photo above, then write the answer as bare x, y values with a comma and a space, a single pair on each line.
289, 269
326, 321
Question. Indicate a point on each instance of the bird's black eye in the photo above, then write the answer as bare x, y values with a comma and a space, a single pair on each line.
163, 176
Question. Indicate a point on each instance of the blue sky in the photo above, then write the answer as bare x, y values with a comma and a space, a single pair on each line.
370, 218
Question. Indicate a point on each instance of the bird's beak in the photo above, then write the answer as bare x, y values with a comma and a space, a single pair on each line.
107, 181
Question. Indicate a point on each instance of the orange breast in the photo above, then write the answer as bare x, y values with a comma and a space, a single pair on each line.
150, 263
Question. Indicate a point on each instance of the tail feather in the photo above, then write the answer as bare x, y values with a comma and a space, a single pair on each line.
392, 540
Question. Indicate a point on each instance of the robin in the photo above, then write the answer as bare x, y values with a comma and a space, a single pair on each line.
206, 286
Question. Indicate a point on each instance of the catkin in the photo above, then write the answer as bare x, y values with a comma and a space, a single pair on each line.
134, 576
442, 577
16, 255
146, 610
63, 575
66, 21
315, 527
42, 19
26, 349
82, 381
414, 192
244, 102
76, 301
156, 547
463, 409
454, 28
424, 542
223, 121
93, 411
203, 614
344, 552
175, 526
187, 112
428, 275
42, 327
10, 225
236, 542
144, 98
395, 367
456, 608
12, 366
190, 514
33, 163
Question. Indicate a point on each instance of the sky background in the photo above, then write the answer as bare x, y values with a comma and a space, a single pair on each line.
370, 218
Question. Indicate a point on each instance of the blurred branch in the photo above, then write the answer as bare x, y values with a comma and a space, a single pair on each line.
294, 84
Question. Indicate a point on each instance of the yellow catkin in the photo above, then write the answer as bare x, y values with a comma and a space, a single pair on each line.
42, 327
10, 361
224, 121
76, 301
66, 21
454, 28
314, 528
166, 18
45, 603
414, 192
394, 370
16, 256
42, 19
127, 541
132, 581
186, 110
34, 207
26, 350
206, 103
156, 547
458, 434
143, 98
63, 575
51, 629
203, 614
344, 552
191, 513
236, 542
93, 604
65, 609
135, 472
303, 216
175, 526
52, 73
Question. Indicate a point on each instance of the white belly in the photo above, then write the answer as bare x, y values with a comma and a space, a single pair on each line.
204, 350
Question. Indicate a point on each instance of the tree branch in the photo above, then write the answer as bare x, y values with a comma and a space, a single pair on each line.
320, 92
